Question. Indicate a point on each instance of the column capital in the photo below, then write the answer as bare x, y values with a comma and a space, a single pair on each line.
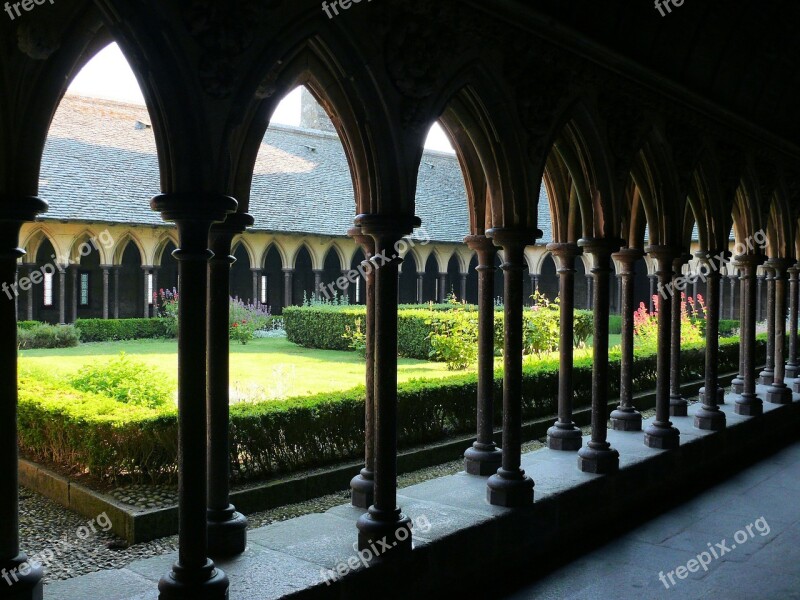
506, 237
793, 271
387, 226
20, 209
627, 255
256, 270
779, 266
233, 224
203, 206
288, 270
564, 255
480, 243
600, 246
680, 260
362, 239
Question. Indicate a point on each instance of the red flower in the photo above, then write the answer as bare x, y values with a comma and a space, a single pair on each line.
235, 324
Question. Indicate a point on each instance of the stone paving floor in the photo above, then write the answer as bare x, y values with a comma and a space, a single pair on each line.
762, 563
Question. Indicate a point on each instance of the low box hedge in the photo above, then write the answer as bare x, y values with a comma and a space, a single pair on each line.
92, 433
113, 330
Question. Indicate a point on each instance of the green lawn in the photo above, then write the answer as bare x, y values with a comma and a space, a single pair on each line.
273, 367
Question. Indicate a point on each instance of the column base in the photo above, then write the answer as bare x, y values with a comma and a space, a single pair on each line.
779, 394
482, 460
710, 420
208, 583
598, 460
720, 400
384, 535
766, 377
662, 437
227, 533
749, 405
792, 371
796, 386
678, 406
510, 489
362, 490
737, 385
565, 437
26, 583
623, 419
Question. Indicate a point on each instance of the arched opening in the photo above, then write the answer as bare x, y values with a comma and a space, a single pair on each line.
331, 273
168, 268
303, 278
242, 276
85, 282
430, 282
129, 299
498, 280
408, 280
46, 295
472, 281
272, 286
548, 278
357, 292
454, 279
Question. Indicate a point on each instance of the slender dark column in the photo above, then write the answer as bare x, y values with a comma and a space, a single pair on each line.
62, 294
116, 291
420, 287
768, 374
25, 577
384, 520
510, 486
564, 435
792, 366
29, 295
626, 417
151, 301
661, 434
732, 276
737, 384
759, 302
678, 405
194, 574
778, 392
598, 456
256, 273
146, 269
589, 291
227, 528
652, 279
106, 273
748, 403
288, 275
722, 299
442, 287
73, 275
709, 416
362, 485
317, 283
483, 457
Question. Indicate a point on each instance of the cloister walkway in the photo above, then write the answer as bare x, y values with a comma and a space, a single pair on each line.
468, 541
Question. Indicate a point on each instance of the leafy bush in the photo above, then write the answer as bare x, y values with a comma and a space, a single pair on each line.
42, 335
28, 324
110, 438
112, 330
614, 323
356, 338
454, 340
126, 380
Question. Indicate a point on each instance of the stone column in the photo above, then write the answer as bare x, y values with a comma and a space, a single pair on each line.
257, 274
589, 291
483, 457
737, 384
420, 287
598, 456
709, 416
722, 295
626, 417
778, 392
362, 485
155, 290
194, 574
27, 586
792, 366
677, 403
29, 294
732, 276
759, 303
510, 486
768, 374
227, 528
463, 278
564, 435
442, 288
116, 291
73, 275
106, 295
650, 306
146, 269
661, 434
384, 520
288, 277
62, 294
748, 403
317, 283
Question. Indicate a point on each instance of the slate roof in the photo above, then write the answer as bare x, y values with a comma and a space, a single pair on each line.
100, 166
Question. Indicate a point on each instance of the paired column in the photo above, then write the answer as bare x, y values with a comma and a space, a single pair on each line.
317, 283
626, 417
227, 528
288, 284
768, 374
661, 434
710, 417
483, 457
194, 574
25, 577
678, 405
748, 403
106, 294
778, 392
146, 269
442, 288
256, 285
73, 275
62, 294
737, 384
510, 486
420, 287
564, 435
463, 280
598, 456
116, 291
384, 521
792, 366
362, 486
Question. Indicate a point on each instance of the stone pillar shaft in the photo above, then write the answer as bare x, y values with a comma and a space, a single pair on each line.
677, 403
288, 276
106, 274
748, 403
778, 392
792, 366
768, 374
709, 416
626, 417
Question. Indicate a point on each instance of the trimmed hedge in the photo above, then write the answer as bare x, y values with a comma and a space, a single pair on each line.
111, 439
615, 324
112, 330
43, 335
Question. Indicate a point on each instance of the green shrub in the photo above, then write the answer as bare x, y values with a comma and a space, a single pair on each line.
126, 380
28, 324
728, 327
42, 335
113, 330
109, 438
454, 340
614, 323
